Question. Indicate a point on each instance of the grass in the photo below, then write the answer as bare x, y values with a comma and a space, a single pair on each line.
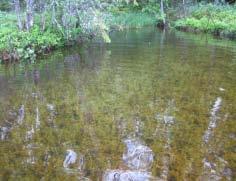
124, 20
215, 19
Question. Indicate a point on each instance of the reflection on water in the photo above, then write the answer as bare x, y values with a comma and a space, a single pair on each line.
149, 106
217, 168
213, 120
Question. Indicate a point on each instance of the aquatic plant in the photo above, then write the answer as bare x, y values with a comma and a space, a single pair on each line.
90, 103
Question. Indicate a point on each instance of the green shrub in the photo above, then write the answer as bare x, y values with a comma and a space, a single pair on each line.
28, 44
151, 9
211, 18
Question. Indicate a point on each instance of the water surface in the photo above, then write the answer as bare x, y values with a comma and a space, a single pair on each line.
152, 104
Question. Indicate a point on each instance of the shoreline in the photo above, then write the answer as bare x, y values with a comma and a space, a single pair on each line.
11, 58
28, 46
218, 35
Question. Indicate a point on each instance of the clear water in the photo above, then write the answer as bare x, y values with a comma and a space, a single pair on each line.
151, 105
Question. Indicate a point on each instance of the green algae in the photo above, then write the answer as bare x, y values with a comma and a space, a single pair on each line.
98, 97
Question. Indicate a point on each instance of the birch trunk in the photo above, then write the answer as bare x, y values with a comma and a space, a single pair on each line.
162, 12
17, 11
184, 8
29, 14
53, 16
42, 8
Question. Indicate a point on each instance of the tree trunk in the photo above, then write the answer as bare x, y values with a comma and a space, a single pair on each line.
29, 14
42, 8
162, 11
17, 11
184, 8
53, 16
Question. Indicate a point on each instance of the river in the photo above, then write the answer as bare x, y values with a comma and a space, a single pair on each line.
151, 105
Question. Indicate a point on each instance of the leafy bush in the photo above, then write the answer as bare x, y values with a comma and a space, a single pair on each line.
71, 20
26, 45
151, 9
220, 20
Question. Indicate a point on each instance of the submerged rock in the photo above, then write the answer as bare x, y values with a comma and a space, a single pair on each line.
50, 107
74, 164
208, 165
121, 175
169, 120
70, 159
221, 89
137, 155
138, 158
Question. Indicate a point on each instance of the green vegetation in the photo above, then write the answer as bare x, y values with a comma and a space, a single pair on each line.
29, 28
130, 20
27, 45
65, 26
215, 19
